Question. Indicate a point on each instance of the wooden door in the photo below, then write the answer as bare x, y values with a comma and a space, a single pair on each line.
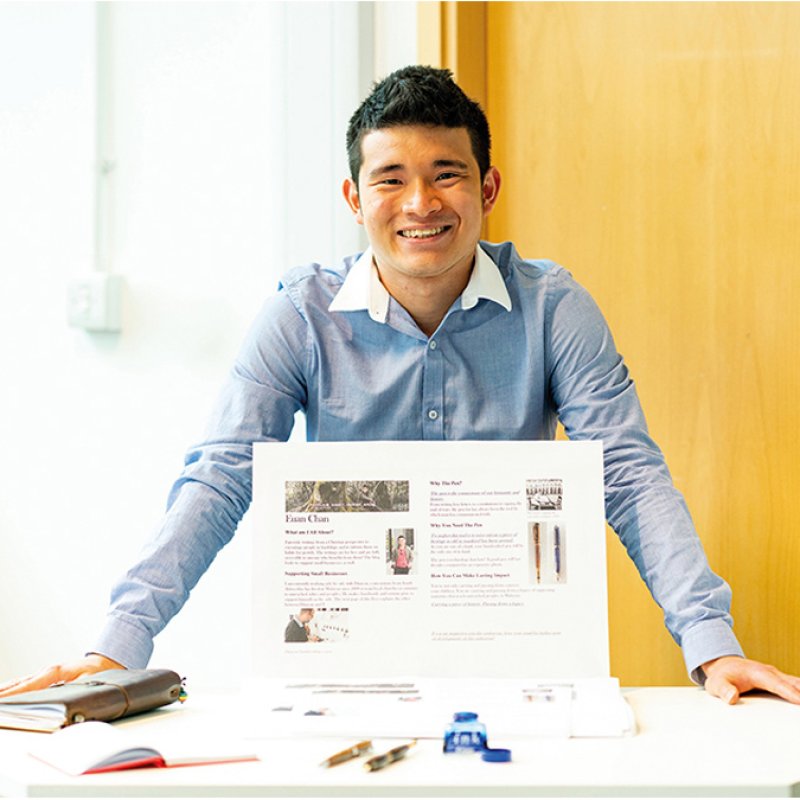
654, 150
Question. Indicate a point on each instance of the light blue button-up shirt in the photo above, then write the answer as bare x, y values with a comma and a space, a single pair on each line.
522, 347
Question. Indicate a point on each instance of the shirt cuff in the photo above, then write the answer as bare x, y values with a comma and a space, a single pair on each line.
124, 643
713, 638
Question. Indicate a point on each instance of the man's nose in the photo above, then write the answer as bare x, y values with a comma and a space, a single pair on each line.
422, 199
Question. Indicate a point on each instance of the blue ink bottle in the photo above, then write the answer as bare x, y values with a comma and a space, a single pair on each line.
465, 732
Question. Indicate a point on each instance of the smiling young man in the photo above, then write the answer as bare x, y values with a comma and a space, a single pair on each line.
429, 334
422, 198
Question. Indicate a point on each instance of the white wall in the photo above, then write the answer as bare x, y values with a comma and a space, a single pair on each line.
227, 129
395, 36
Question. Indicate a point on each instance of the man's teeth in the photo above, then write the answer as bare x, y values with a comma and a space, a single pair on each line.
421, 234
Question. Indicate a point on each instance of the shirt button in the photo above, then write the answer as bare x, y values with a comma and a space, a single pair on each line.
433, 414
433, 344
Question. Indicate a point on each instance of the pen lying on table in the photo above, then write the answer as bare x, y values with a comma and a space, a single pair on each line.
389, 757
346, 755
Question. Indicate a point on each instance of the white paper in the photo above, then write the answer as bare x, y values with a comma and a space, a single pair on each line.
505, 573
421, 708
474, 603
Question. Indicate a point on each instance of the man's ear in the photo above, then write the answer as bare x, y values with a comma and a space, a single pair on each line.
490, 189
350, 192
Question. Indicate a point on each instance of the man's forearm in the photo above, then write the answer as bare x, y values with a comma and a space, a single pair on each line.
198, 524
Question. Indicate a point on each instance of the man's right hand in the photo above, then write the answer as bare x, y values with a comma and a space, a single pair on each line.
58, 673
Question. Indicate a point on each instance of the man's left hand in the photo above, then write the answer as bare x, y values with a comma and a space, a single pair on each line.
727, 677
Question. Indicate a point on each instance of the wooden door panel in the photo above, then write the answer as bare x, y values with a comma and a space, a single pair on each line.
654, 150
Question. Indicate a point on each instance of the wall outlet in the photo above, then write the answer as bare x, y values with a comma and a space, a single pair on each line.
94, 303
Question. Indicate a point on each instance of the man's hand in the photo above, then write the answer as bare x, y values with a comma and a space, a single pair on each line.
60, 672
729, 676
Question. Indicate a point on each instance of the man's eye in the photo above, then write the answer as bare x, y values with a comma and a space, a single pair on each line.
446, 176
391, 182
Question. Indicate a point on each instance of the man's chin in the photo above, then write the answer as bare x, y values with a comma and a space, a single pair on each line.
421, 266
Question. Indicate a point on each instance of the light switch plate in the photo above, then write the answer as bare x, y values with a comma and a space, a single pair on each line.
94, 303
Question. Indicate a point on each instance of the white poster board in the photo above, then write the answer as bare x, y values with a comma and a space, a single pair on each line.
504, 572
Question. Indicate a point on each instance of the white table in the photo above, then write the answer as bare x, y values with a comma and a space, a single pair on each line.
688, 744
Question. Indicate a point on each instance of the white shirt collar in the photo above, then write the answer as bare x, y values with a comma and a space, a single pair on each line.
486, 283
362, 289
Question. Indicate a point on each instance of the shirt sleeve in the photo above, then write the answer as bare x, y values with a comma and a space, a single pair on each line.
596, 399
261, 395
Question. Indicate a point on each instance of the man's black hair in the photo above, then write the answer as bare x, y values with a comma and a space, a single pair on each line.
418, 96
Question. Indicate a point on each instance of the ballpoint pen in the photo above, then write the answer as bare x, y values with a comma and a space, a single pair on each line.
389, 757
346, 755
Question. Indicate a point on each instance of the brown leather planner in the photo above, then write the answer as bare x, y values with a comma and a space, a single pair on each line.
104, 696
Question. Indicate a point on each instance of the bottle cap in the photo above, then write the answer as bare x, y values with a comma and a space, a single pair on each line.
496, 754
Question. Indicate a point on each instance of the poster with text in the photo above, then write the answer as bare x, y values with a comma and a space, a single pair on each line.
438, 559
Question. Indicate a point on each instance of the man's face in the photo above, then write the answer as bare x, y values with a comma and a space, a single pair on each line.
306, 616
422, 201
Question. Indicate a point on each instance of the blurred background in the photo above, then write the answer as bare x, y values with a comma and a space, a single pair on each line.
179, 157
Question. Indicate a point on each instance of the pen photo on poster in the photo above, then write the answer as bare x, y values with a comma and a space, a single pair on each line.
547, 554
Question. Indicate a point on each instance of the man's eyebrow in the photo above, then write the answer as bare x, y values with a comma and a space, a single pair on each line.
450, 162
383, 170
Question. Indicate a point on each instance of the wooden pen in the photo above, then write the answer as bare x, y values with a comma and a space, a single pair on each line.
389, 757
346, 755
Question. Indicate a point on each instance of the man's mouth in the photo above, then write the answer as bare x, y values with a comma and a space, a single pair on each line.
423, 233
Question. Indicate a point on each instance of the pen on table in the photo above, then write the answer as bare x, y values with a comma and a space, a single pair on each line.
389, 757
345, 755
